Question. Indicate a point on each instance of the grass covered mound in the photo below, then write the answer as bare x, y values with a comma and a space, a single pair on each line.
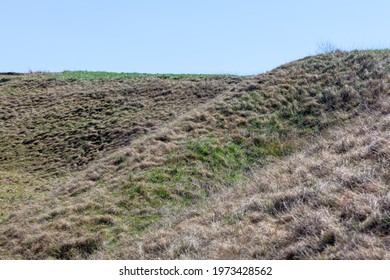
112, 156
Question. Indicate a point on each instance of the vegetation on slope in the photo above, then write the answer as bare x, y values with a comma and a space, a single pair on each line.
222, 128
64, 121
329, 201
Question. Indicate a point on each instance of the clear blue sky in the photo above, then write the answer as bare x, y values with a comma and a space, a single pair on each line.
172, 36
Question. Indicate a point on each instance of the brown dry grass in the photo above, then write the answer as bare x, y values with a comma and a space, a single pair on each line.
116, 163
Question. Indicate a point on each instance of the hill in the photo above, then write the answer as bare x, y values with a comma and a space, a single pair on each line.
102, 165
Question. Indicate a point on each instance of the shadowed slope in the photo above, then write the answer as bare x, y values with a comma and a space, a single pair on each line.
63, 123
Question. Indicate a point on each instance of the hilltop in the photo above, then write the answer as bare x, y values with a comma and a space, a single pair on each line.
287, 164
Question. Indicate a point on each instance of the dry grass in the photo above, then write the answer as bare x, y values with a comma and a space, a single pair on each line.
121, 156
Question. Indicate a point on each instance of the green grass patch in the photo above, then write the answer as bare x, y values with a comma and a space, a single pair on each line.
197, 169
101, 75
140, 222
217, 155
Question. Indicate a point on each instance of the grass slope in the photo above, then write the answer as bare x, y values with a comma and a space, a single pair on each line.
329, 201
63, 121
112, 156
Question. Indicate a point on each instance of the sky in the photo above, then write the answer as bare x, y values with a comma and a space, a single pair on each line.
195, 36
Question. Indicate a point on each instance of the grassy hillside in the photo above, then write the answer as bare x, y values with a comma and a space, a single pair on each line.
65, 120
331, 200
93, 163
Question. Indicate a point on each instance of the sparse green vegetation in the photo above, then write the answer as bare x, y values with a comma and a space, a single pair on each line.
95, 76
